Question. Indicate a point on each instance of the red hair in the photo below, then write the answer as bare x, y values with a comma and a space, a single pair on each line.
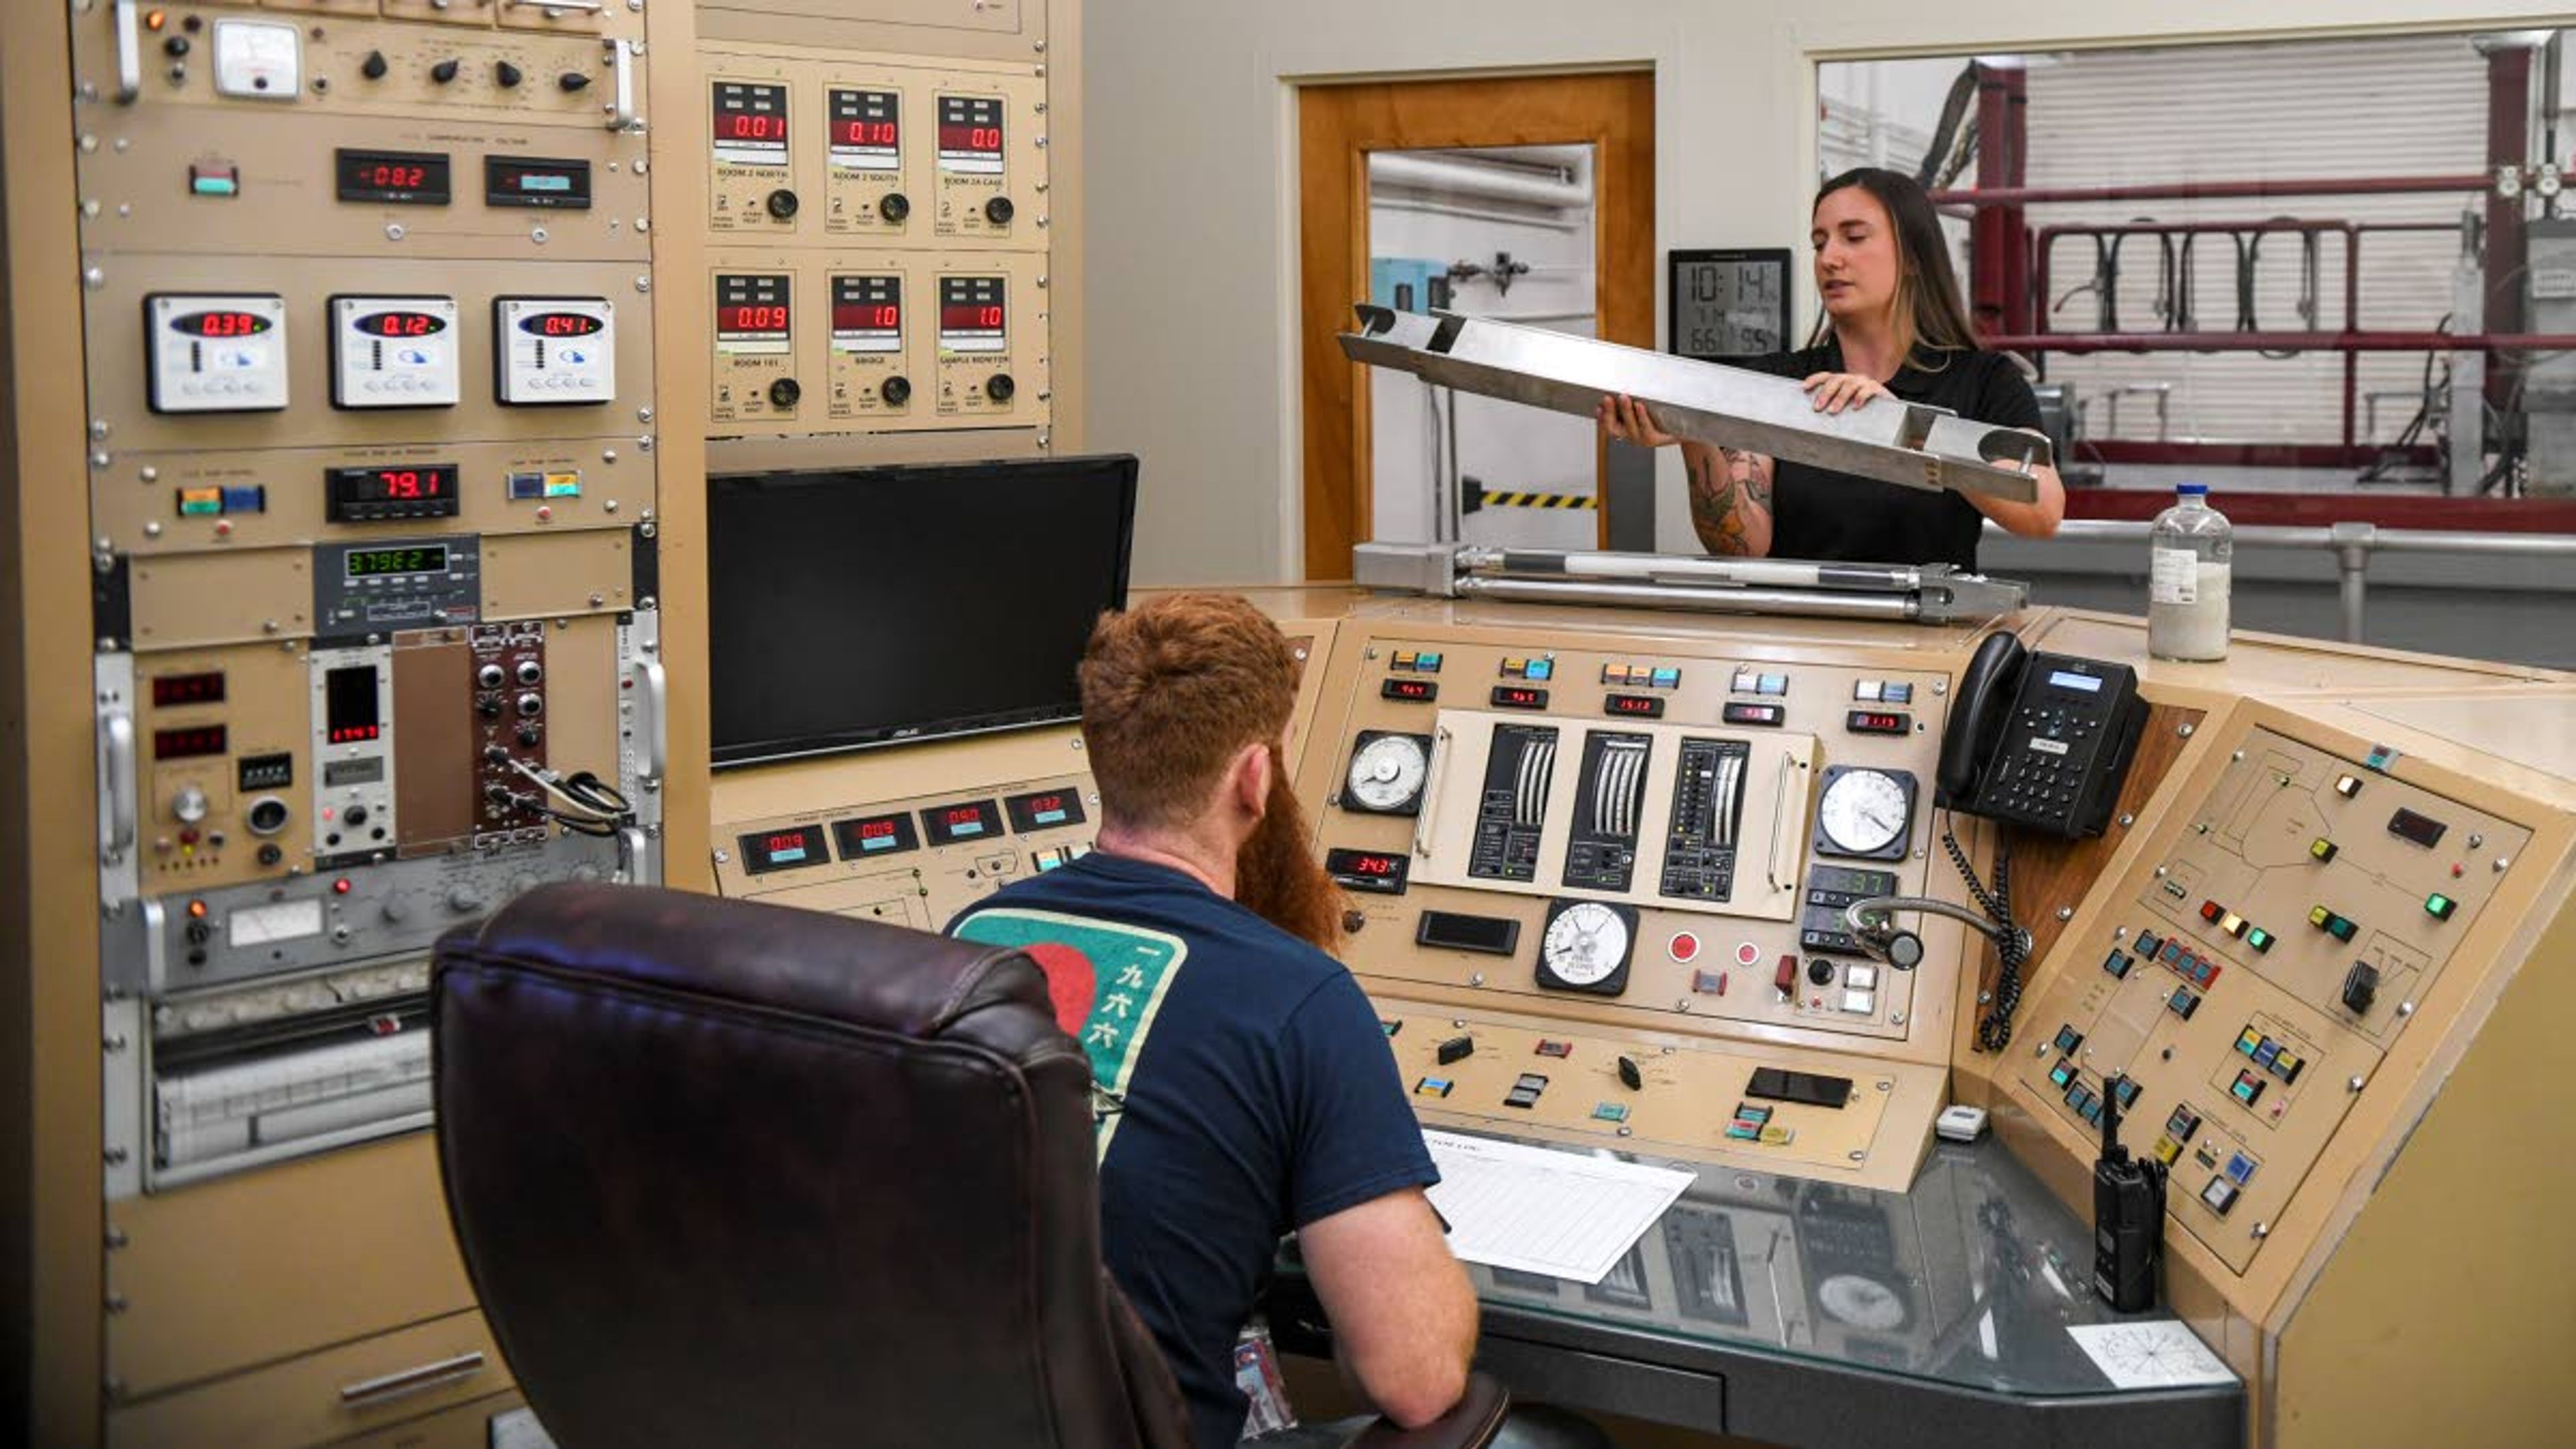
1172, 690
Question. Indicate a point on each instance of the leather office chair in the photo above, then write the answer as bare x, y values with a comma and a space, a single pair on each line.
727, 1174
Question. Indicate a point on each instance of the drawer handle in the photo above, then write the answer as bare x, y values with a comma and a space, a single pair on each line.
366, 1393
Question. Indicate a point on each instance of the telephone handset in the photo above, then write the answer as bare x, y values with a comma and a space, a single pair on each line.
2039, 740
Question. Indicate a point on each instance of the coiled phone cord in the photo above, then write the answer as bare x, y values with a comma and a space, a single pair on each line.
2012, 943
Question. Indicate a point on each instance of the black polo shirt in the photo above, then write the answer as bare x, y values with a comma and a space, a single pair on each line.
1818, 513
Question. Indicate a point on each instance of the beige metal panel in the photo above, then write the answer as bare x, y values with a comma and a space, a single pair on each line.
943, 879
50, 1185
582, 696
263, 712
762, 382
1069, 230
466, 1426
269, 1265
867, 450
2267, 664
333, 53
117, 368
288, 199
2422, 1326
866, 378
528, 575
993, 29
362, 1388
678, 105
136, 499
2530, 738
191, 600
1689, 1094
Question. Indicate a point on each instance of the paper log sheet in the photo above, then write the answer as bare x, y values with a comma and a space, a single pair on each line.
1536, 1210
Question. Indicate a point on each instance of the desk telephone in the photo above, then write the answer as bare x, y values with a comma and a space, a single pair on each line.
2039, 740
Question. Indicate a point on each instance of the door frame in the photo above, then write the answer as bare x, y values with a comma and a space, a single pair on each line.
1338, 124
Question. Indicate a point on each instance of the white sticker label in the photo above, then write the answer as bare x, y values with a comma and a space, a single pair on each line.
267, 925
2174, 577
2048, 747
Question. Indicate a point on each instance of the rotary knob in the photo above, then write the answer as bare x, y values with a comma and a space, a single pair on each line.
189, 805
572, 80
1000, 388
897, 391
507, 75
784, 392
894, 206
465, 899
374, 67
999, 211
530, 671
443, 72
781, 203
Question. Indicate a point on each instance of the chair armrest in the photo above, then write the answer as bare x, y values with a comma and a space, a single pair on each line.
1471, 1424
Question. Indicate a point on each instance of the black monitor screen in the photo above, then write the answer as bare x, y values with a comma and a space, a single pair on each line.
869, 606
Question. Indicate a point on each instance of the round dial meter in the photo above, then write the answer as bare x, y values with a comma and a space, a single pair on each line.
1865, 812
1585, 944
1863, 1303
1386, 774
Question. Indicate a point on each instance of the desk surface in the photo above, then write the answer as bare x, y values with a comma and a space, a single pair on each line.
1832, 1313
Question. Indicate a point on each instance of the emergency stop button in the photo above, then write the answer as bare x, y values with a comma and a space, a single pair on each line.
1683, 947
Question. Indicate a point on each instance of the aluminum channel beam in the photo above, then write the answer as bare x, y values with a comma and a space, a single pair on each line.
1904, 443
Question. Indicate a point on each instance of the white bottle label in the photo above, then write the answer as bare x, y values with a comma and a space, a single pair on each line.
2173, 576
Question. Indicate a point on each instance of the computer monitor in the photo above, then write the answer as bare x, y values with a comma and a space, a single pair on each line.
858, 607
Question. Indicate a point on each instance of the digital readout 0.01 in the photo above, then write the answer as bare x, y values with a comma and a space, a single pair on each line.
368, 563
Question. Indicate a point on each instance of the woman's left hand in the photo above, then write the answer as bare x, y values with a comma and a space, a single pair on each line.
1835, 391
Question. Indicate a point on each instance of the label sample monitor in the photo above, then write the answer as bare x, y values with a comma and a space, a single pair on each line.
856, 607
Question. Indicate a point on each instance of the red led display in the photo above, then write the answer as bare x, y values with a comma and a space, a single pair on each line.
969, 318
220, 324
783, 849
866, 317
561, 324
1519, 696
1878, 722
752, 317
1419, 691
864, 133
188, 743
356, 734
1645, 706
401, 324
741, 127
972, 820
874, 835
172, 691
1376, 871
954, 137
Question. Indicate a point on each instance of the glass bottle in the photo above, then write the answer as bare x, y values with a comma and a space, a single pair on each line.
2190, 548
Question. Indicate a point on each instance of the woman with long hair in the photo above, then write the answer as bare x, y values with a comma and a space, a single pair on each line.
1893, 327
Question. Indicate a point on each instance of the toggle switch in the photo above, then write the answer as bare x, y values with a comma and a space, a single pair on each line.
1629, 1076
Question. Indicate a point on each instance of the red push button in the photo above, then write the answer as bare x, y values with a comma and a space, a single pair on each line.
1684, 946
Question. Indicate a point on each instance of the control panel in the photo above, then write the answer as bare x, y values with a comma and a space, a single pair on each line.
915, 860
394, 352
2256, 971
1671, 836
755, 331
216, 353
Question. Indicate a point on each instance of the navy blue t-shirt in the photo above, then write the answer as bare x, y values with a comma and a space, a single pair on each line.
1257, 1092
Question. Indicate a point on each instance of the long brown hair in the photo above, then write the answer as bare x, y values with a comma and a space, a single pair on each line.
1931, 322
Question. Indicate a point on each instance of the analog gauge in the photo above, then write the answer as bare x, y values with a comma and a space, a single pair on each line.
1386, 774
1586, 945
1865, 812
1862, 1303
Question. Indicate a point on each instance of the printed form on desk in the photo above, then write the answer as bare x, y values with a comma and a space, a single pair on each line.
1537, 1210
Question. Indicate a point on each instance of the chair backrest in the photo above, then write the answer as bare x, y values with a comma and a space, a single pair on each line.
732, 1174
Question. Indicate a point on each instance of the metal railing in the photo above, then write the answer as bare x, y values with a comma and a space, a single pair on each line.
2352, 544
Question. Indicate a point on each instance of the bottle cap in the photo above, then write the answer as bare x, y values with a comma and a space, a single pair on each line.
2192, 490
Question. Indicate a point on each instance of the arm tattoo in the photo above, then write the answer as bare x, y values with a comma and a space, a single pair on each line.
1722, 503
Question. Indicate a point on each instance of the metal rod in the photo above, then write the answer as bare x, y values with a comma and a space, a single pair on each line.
1693, 571
2199, 190
2079, 342
1896, 607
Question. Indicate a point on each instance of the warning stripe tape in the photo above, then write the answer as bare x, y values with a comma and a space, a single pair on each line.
1541, 500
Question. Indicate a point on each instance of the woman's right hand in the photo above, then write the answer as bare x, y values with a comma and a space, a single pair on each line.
1626, 419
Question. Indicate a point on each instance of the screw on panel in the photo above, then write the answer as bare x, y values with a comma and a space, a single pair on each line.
1985, 998
2184, 731
643, 284
116, 1157
723, 859
101, 458
1898, 1019
2501, 862
116, 1303
1478, 979
2128, 820
2262, 1230
89, 143
2406, 1008
608, 455
2353, 1085
93, 278
116, 1238
1857, 1156
2065, 914
644, 444
98, 427
393, 231
2239, 755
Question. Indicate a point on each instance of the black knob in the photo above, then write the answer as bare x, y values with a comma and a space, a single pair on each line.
507, 74
2361, 988
999, 387
373, 67
489, 676
529, 735
998, 211
1820, 971
896, 391
531, 705
530, 671
784, 392
782, 203
495, 755
443, 72
199, 933
573, 80
355, 815
1352, 921
489, 706
1629, 1076
175, 46
270, 855
895, 206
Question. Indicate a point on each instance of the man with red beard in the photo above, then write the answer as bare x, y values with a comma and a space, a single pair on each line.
1246, 1084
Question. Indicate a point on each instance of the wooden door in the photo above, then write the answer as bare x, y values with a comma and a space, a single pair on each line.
1338, 125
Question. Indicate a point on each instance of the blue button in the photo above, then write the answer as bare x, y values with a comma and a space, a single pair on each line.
1611, 1112
253, 499
1540, 669
1668, 679
1896, 694
1426, 664
2240, 1168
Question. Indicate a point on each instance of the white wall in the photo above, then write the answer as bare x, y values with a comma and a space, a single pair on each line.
1189, 164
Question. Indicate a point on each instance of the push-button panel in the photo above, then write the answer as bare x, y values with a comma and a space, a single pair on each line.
2266, 953
1799, 1114
936, 853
